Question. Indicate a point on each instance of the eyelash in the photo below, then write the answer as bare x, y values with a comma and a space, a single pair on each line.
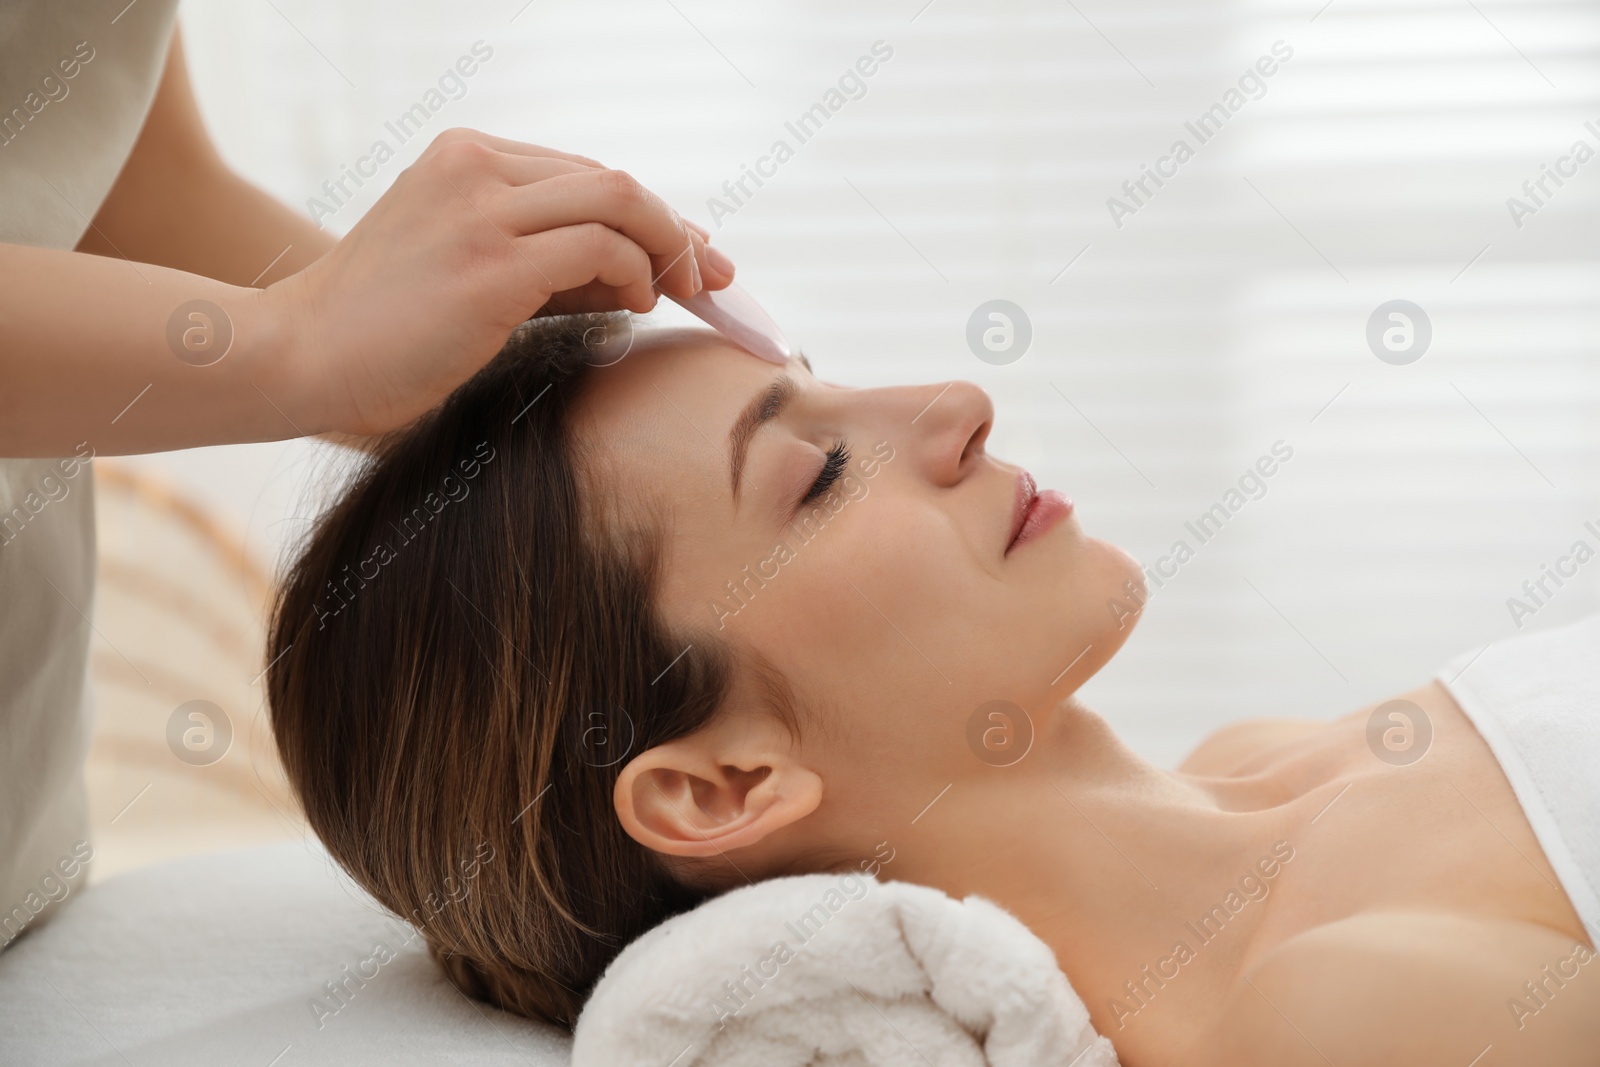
832, 467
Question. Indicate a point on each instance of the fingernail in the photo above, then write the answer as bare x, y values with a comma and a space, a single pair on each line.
719, 260
694, 272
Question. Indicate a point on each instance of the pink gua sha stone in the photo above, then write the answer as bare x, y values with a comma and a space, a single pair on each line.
733, 313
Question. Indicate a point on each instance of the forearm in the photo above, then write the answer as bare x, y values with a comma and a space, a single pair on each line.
94, 348
97, 350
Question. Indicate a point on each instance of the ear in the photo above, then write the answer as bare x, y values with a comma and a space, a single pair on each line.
715, 791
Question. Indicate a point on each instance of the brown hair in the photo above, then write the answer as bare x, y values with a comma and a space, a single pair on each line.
462, 657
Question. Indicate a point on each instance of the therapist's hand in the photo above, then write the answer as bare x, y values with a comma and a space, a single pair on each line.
197, 310
476, 236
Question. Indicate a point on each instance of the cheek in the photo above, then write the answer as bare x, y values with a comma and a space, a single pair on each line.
883, 614
919, 632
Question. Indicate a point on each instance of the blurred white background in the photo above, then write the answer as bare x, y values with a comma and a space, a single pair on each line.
1228, 313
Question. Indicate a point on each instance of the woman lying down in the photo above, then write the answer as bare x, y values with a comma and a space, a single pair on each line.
645, 632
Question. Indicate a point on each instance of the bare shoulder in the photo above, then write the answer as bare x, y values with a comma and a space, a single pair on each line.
1222, 752
1414, 987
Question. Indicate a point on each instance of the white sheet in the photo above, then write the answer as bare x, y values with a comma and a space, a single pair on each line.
216, 960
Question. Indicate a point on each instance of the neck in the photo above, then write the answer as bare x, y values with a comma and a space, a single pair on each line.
1144, 885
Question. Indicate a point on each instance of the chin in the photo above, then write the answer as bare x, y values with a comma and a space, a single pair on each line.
1123, 581
1129, 572
1105, 596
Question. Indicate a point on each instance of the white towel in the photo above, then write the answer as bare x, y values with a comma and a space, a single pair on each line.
838, 971
1535, 698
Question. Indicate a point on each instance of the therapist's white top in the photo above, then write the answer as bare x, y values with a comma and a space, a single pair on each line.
76, 81
1535, 698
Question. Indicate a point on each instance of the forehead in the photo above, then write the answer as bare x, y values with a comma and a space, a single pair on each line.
658, 419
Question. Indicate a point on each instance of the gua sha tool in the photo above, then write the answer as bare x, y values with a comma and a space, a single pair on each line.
733, 313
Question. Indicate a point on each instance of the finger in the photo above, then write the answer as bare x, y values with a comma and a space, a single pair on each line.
681, 273
525, 170
479, 172
614, 199
510, 147
497, 186
716, 269
710, 268
571, 257
596, 296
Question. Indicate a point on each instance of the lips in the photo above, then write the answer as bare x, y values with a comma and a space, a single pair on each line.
1034, 512
1027, 493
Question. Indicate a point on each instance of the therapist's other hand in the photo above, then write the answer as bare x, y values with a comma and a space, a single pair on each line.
476, 236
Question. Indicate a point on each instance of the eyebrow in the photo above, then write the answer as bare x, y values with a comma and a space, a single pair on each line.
762, 409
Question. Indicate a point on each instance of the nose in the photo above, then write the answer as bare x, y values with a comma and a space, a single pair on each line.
951, 428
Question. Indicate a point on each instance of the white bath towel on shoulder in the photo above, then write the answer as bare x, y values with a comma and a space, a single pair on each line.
843, 971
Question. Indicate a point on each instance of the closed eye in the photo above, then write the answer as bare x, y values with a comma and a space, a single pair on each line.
836, 463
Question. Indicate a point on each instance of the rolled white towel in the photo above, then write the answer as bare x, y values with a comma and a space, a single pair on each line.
838, 970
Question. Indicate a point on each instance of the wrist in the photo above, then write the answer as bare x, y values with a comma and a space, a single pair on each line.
280, 363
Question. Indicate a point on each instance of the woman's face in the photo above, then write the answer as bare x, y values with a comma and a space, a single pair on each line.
894, 602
